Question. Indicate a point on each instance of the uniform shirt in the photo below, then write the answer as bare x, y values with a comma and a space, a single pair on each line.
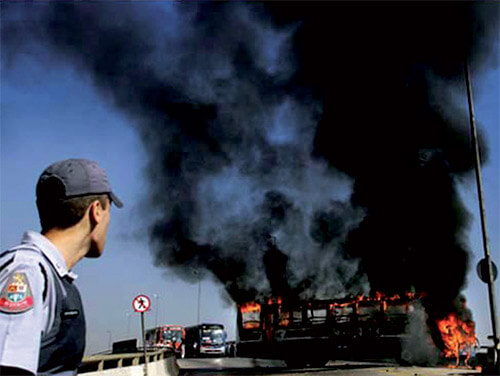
21, 332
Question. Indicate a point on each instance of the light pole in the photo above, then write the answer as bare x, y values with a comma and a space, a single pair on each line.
109, 339
199, 297
197, 273
129, 315
156, 296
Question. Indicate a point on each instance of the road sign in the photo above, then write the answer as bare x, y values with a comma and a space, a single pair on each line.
141, 303
482, 270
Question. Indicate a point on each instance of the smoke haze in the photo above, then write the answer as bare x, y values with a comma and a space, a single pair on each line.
304, 150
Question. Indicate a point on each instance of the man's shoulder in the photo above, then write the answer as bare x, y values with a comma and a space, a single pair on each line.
26, 254
24, 258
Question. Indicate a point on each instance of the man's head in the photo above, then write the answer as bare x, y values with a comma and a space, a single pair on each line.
71, 190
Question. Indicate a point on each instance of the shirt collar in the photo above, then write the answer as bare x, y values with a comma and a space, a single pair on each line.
50, 251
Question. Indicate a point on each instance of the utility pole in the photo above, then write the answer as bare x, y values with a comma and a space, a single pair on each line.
482, 212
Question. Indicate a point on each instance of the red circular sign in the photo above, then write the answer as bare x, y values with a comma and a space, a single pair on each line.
141, 303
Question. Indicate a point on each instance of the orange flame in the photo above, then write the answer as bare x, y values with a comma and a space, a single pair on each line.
457, 336
250, 307
284, 319
251, 315
251, 311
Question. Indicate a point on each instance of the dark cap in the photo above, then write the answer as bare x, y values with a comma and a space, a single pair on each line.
73, 178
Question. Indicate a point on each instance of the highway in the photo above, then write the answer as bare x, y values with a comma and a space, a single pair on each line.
246, 366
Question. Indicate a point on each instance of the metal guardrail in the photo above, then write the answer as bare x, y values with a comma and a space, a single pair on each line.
100, 362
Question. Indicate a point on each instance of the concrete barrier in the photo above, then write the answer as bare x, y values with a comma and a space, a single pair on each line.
160, 363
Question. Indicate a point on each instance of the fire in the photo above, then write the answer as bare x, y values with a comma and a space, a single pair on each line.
250, 315
357, 305
378, 298
457, 336
250, 307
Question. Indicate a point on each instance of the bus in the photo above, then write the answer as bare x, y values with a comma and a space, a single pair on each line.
205, 339
311, 332
171, 337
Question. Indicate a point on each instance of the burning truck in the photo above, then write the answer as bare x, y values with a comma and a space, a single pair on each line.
315, 331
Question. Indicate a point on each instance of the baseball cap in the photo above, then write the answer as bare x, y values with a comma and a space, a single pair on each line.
73, 178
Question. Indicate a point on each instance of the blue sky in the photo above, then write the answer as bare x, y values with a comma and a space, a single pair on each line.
53, 115
50, 113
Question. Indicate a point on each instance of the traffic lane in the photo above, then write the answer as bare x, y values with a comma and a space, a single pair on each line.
247, 366
228, 363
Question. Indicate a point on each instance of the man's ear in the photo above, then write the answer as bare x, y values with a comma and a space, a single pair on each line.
95, 213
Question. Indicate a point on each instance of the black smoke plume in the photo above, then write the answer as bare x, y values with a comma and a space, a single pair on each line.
306, 149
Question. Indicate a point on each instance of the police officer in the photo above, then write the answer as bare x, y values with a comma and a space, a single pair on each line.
42, 325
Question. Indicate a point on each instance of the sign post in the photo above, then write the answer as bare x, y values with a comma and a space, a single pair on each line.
141, 304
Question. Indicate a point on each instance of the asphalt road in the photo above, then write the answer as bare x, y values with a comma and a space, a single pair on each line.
246, 366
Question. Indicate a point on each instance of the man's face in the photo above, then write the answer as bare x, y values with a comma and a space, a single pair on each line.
100, 231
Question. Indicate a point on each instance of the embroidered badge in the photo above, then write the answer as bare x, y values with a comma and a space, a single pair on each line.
16, 295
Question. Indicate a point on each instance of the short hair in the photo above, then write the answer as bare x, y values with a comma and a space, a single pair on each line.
62, 214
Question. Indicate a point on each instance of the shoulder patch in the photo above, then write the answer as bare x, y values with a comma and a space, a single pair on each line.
16, 296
